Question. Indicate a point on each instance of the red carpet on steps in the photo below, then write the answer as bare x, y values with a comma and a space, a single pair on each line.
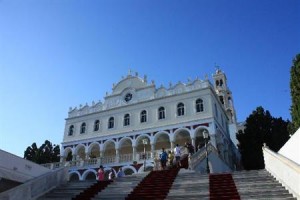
222, 187
90, 192
155, 185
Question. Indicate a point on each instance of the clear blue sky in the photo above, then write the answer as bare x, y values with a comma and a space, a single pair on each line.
57, 53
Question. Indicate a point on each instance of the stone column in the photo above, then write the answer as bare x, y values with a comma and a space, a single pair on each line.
86, 155
134, 153
152, 151
193, 142
117, 156
101, 157
172, 146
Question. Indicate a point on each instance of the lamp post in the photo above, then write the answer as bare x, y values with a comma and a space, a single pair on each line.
145, 142
205, 136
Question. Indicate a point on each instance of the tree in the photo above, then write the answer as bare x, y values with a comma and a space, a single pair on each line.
46, 153
295, 93
261, 128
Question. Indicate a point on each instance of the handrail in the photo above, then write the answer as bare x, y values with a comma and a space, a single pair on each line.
200, 155
284, 170
37, 186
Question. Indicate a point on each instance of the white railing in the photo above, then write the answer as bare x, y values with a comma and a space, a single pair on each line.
140, 156
126, 157
36, 187
284, 170
108, 160
200, 155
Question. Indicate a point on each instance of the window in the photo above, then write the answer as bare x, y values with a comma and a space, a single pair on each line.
199, 105
96, 125
82, 128
180, 109
143, 116
221, 99
111, 122
126, 120
161, 113
71, 130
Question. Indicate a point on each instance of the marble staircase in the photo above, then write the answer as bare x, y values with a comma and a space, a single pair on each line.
67, 191
185, 184
121, 187
259, 184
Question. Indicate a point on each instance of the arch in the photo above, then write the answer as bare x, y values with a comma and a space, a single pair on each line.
162, 140
181, 136
199, 139
74, 176
140, 145
89, 174
80, 151
125, 147
68, 153
149, 165
94, 150
109, 148
128, 170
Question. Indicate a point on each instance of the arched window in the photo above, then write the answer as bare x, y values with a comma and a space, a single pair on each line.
161, 113
111, 122
71, 130
180, 109
143, 116
96, 125
82, 128
221, 82
126, 120
199, 105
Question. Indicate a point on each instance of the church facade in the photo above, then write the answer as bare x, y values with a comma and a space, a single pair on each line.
138, 119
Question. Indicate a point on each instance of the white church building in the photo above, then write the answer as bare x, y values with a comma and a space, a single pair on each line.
137, 118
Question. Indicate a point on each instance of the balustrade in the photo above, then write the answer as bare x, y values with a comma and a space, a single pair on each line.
125, 157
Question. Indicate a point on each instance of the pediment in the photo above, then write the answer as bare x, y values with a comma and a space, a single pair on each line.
129, 82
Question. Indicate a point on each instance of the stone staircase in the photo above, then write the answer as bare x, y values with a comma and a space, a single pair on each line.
121, 187
68, 190
259, 184
185, 184
189, 185
91, 191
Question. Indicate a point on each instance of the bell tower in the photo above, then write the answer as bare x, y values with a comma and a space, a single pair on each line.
224, 94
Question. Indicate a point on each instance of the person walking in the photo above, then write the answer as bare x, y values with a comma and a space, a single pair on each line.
177, 153
120, 173
111, 174
170, 158
163, 159
100, 173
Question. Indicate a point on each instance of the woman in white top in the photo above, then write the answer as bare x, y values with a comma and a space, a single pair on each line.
177, 155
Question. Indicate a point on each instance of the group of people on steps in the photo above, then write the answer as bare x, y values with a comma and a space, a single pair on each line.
111, 174
164, 158
168, 158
